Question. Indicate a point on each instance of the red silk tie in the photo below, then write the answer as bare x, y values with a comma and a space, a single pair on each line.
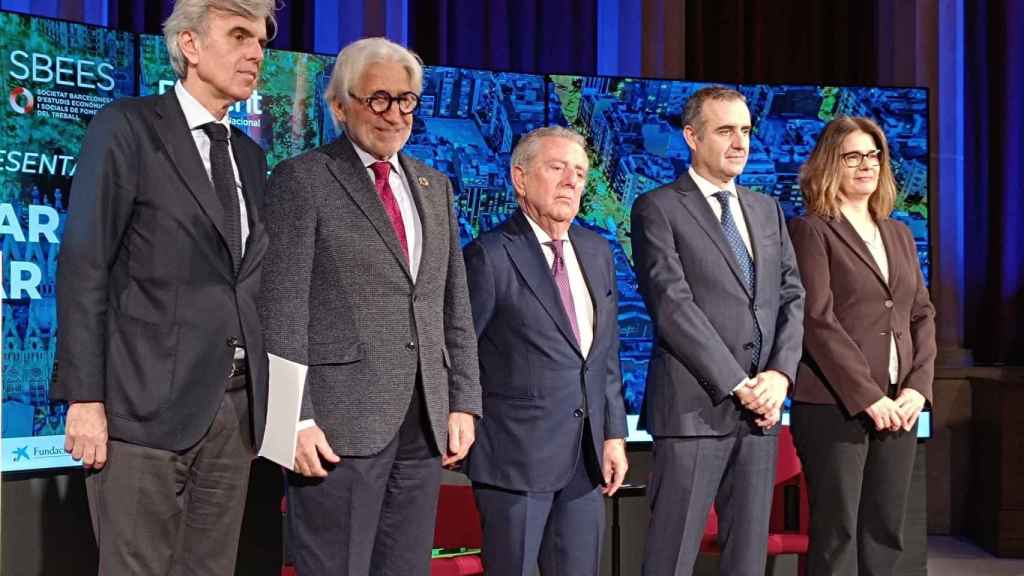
381, 171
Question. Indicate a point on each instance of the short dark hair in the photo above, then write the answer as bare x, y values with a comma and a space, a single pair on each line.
693, 112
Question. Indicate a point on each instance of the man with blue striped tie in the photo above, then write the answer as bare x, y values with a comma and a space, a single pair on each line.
717, 272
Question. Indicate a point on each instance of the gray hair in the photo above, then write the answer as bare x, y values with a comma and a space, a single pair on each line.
526, 148
192, 15
693, 112
354, 58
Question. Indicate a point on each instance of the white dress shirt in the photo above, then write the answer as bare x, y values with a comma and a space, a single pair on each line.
581, 300
196, 115
400, 188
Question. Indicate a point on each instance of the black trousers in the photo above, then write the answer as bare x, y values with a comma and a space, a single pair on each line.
157, 512
371, 515
857, 480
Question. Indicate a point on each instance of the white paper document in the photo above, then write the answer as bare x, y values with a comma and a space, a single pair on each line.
284, 402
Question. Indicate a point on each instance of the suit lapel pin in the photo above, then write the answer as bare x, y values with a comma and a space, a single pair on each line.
422, 181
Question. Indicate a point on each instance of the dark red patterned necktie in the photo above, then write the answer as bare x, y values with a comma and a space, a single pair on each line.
381, 171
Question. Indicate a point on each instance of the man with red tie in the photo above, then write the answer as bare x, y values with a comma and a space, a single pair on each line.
365, 283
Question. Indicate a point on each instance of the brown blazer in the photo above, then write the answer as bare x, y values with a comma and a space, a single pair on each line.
850, 312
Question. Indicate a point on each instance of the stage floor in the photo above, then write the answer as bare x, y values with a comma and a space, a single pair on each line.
948, 556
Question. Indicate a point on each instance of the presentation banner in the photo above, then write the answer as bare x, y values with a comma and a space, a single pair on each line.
54, 77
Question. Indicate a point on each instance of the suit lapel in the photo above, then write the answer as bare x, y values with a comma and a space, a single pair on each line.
351, 174
528, 257
256, 243
849, 236
172, 129
697, 205
590, 265
756, 222
890, 241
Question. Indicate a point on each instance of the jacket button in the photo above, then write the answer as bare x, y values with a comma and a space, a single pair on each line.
410, 345
888, 303
233, 342
578, 413
748, 346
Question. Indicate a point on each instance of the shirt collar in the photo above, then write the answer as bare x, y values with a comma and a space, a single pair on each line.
195, 113
542, 236
707, 188
369, 159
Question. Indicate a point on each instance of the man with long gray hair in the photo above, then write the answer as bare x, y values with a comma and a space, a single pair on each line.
161, 350
365, 283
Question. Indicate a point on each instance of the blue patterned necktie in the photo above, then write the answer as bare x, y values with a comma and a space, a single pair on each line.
739, 250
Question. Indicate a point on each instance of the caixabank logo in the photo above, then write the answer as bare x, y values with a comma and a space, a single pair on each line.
22, 100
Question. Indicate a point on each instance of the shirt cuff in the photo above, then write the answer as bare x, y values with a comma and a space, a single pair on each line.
740, 385
303, 424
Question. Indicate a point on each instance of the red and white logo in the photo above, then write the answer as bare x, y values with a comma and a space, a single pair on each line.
22, 101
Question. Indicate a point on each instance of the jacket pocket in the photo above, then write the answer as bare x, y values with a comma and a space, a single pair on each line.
140, 366
326, 353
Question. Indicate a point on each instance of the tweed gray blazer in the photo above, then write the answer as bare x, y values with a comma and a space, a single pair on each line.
338, 296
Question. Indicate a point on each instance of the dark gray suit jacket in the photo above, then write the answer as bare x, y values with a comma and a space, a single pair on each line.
537, 384
701, 308
146, 294
338, 296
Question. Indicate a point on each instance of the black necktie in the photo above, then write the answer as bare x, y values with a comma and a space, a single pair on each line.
223, 177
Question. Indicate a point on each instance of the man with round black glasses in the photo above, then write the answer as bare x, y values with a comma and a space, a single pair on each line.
365, 283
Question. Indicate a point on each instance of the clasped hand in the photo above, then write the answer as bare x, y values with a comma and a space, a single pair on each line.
764, 395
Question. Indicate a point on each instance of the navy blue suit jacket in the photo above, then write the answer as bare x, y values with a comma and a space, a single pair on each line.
536, 383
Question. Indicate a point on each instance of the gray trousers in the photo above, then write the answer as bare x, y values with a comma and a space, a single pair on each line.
371, 515
157, 512
737, 474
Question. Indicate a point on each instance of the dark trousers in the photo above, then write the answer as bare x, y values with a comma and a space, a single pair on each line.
737, 474
157, 512
371, 515
561, 531
857, 481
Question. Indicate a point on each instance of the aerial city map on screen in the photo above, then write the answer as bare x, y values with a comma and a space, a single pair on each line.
466, 126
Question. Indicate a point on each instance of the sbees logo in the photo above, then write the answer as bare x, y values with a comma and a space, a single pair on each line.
22, 101
63, 71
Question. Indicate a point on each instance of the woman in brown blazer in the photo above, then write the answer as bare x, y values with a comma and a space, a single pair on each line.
869, 352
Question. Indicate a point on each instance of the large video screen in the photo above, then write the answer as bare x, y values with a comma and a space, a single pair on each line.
54, 77
57, 74
470, 119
